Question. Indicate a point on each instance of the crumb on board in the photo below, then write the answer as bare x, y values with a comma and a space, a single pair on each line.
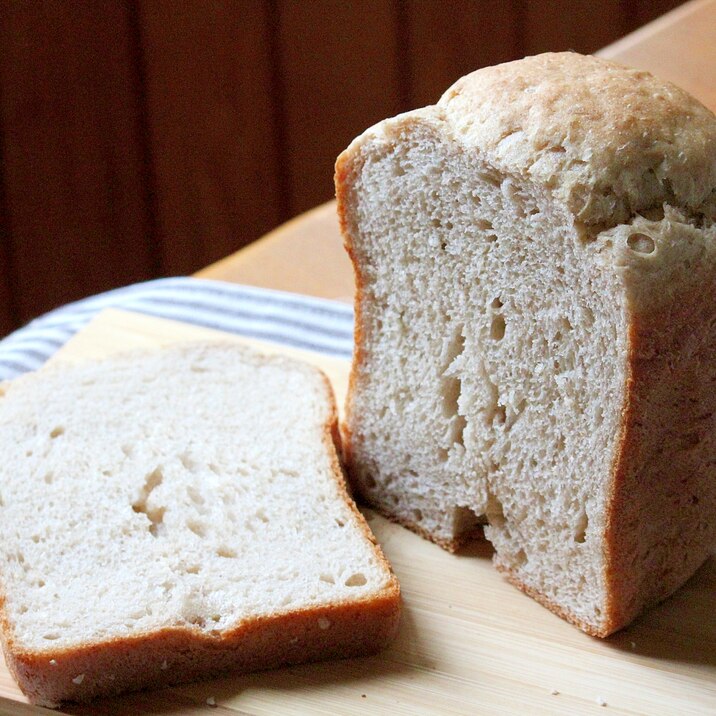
53, 662
211, 701
600, 701
362, 696
554, 692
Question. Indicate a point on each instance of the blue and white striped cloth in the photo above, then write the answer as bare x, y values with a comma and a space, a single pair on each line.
286, 318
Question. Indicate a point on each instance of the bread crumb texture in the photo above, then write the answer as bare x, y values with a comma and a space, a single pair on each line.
535, 257
193, 491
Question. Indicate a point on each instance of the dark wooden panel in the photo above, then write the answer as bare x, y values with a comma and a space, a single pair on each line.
580, 25
210, 115
7, 314
339, 61
446, 40
73, 167
643, 11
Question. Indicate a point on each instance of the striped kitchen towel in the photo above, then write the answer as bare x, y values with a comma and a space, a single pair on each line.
286, 318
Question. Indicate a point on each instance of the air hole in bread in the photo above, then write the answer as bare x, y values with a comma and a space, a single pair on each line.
214, 468
154, 515
192, 569
418, 515
580, 534
514, 197
194, 495
198, 368
261, 514
197, 528
51, 636
356, 580
493, 180
496, 303
497, 328
226, 552
49, 477
451, 387
128, 450
340, 523
56, 432
641, 244
484, 225
494, 511
327, 578
188, 462
500, 414
655, 213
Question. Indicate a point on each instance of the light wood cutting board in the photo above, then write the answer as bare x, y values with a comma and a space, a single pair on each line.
469, 643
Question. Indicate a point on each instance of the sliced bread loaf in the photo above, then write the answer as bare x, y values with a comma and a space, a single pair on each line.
535, 259
169, 515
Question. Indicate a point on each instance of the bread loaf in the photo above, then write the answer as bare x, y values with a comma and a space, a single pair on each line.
171, 515
535, 259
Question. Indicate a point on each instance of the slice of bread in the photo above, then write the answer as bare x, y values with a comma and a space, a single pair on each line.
170, 515
535, 259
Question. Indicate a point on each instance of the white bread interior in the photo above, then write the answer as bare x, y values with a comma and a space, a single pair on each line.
172, 514
535, 258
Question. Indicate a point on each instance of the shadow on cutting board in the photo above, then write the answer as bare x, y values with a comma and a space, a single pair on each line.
682, 628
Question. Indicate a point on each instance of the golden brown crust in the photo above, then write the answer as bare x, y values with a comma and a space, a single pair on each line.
662, 500
186, 653
342, 183
612, 140
177, 655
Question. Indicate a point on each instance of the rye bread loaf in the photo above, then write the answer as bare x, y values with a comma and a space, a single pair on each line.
535, 260
167, 516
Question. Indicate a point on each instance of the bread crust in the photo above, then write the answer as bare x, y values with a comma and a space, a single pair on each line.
173, 655
181, 654
662, 498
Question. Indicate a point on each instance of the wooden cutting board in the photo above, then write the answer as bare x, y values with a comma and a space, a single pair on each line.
469, 643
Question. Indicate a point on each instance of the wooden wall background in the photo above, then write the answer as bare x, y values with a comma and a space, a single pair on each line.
142, 138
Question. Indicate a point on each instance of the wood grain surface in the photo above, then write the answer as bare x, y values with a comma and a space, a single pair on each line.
469, 643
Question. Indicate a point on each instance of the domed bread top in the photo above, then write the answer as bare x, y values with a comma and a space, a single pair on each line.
609, 140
